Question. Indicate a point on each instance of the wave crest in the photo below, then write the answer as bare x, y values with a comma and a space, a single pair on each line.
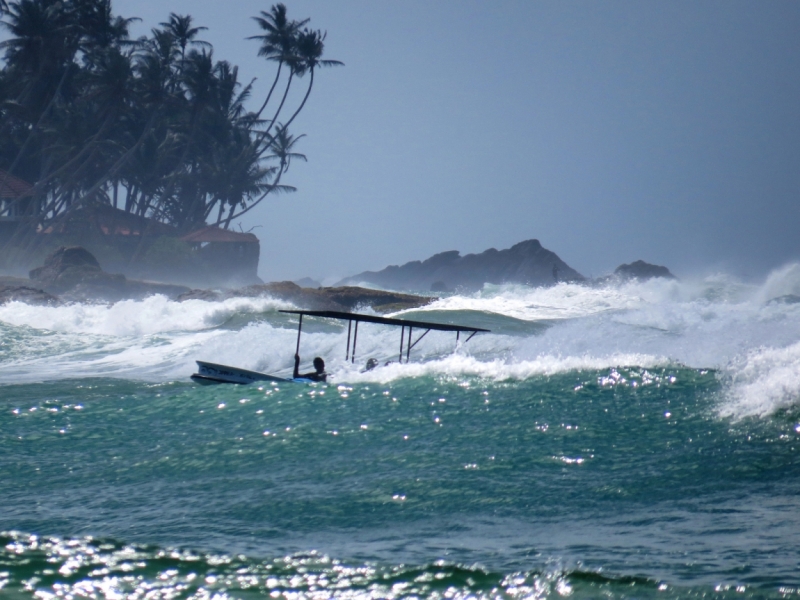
765, 381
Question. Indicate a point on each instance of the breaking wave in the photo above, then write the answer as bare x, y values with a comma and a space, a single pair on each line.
748, 333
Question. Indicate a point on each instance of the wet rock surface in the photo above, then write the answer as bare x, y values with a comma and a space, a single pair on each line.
345, 298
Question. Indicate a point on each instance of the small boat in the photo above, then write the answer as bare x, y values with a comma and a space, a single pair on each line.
212, 373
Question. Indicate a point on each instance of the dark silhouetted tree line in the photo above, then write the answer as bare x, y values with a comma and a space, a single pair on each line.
154, 126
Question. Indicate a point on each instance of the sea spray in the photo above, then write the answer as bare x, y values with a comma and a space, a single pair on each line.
714, 323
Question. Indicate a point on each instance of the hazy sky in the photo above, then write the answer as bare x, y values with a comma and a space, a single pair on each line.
611, 131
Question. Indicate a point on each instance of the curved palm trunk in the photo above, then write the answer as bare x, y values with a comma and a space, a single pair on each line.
303, 103
221, 209
272, 89
277, 112
130, 200
230, 217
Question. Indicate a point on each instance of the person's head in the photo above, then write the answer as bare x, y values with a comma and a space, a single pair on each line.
371, 364
319, 364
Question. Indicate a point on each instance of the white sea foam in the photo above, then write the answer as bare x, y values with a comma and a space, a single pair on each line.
717, 322
459, 365
781, 283
564, 301
155, 314
762, 382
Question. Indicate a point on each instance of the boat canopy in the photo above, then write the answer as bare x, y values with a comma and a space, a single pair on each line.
402, 323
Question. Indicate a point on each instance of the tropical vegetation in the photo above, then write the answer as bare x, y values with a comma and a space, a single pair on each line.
154, 126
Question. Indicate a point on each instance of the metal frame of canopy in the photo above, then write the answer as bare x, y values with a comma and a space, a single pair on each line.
402, 323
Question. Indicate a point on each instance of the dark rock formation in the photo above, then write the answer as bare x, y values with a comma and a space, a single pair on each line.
28, 295
74, 273
527, 262
68, 267
307, 282
333, 298
642, 271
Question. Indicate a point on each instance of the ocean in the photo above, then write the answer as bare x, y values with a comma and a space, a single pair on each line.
638, 440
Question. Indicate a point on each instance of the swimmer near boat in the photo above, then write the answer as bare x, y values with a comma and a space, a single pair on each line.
212, 373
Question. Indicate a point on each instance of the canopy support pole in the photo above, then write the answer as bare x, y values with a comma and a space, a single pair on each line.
402, 333
458, 334
408, 352
471, 336
355, 338
347, 354
418, 339
299, 327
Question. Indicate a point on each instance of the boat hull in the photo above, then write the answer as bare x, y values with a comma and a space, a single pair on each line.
212, 373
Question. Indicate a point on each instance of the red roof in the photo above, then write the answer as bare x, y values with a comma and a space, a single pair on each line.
13, 187
215, 234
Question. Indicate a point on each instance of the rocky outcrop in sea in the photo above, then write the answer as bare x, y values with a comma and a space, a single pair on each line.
642, 271
527, 262
638, 270
73, 274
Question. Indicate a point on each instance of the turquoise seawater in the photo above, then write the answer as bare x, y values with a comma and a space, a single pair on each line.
638, 441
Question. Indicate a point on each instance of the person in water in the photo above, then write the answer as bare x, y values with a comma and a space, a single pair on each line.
318, 375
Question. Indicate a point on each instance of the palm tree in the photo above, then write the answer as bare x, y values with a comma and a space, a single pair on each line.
283, 151
98, 25
278, 43
180, 26
310, 45
234, 176
39, 38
